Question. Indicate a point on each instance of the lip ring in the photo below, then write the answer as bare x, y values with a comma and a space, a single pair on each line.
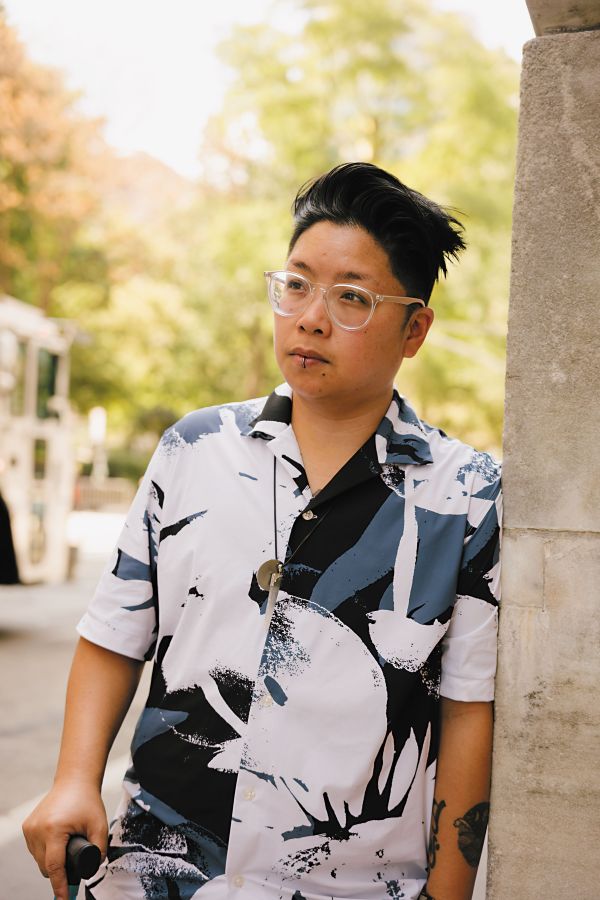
303, 353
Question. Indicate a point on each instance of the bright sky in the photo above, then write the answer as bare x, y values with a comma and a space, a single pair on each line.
148, 66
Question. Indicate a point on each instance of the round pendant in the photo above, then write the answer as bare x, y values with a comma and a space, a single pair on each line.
264, 576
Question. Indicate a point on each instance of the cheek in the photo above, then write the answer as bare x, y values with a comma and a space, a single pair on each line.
381, 349
373, 342
278, 335
283, 339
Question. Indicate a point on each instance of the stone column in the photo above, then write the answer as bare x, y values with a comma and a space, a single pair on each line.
545, 826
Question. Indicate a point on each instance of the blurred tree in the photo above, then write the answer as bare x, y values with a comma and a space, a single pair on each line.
409, 88
47, 157
84, 235
165, 281
139, 350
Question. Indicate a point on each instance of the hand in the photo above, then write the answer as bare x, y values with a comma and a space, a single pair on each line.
72, 808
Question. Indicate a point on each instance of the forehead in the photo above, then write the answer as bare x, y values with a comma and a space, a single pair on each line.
340, 251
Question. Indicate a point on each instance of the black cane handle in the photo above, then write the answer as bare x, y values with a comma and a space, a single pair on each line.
83, 859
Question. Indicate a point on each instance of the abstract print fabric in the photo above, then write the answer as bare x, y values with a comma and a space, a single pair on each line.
294, 757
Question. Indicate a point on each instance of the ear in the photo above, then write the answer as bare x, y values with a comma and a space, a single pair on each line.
416, 330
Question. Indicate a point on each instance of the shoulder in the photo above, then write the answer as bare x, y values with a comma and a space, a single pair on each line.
467, 459
232, 419
477, 471
470, 474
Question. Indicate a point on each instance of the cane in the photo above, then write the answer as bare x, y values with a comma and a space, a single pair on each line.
82, 861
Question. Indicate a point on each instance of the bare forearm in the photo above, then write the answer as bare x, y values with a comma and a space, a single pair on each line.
461, 805
101, 686
100, 689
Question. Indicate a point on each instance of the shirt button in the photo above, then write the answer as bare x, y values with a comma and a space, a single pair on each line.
238, 881
249, 794
308, 514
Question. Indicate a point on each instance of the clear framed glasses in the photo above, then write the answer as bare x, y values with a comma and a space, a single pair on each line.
349, 306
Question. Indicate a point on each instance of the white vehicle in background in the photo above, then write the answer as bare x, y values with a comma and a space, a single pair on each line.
37, 465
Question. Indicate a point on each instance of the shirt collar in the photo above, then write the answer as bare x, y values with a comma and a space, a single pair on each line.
276, 414
273, 424
400, 438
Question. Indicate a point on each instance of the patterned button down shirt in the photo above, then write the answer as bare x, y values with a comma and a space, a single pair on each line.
294, 757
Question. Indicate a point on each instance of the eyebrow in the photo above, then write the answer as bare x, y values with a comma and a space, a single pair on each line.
340, 276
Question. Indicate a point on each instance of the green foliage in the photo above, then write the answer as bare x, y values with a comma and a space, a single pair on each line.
409, 89
169, 295
125, 462
47, 156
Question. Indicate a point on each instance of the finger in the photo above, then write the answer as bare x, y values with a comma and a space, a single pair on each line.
37, 849
96, 829
55, 867
35, 846
98, 835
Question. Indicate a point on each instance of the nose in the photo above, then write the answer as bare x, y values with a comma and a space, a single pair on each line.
315, 318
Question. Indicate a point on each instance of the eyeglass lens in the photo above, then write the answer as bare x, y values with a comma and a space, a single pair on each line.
348, 305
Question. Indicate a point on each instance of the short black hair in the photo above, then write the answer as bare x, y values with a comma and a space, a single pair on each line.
418, 235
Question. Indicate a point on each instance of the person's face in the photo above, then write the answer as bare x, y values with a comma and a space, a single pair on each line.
319, 359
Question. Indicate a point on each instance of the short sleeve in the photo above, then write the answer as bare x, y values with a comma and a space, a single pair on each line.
122, 615
469, 647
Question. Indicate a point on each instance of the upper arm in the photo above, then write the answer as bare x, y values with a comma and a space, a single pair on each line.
465, 738
122, 616
470, 644
475, 717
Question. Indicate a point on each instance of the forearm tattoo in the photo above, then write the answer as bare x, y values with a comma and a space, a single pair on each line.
471, 832
434, 844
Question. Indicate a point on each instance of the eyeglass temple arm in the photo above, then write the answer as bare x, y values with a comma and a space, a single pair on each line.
404, 301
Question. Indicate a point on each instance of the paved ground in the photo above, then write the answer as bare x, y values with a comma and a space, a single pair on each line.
37, 636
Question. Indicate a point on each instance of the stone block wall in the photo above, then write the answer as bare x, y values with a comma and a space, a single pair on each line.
545, 826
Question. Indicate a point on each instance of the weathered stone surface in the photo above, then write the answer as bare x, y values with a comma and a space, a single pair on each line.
546, 789
522, 567
553, 366
545, 826
551, 16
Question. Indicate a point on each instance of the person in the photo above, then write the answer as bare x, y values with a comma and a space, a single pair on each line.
9, 571
315, 578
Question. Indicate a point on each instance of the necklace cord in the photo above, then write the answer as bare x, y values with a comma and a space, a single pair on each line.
305, 538
275, 505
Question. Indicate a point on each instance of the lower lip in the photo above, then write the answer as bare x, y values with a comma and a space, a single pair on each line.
307, 362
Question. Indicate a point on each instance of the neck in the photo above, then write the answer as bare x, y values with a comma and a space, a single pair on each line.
328, 439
